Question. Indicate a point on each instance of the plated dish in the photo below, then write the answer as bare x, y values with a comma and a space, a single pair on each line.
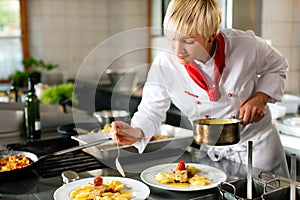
138, 189
215, 175
294, 121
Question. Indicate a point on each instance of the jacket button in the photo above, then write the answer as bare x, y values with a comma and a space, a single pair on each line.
198, 102
229, 94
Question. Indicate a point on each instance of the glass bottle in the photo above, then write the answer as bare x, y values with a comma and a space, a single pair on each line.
13, 93
32, 113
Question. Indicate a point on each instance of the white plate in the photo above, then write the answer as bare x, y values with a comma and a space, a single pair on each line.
138, 189
215, 175
294, 121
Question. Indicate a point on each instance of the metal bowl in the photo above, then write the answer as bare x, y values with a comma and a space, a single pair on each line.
216, 132
108, 116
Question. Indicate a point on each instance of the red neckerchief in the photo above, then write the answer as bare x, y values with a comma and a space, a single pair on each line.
199, 78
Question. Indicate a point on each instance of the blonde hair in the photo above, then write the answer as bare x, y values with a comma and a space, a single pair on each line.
192, 18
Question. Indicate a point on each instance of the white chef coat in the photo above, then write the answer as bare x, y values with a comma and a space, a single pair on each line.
251, 66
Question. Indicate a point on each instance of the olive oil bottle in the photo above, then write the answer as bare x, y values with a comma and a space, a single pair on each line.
32, 113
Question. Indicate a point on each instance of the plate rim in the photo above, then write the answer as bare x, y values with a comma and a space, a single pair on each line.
105, 178
285, 122
173, 188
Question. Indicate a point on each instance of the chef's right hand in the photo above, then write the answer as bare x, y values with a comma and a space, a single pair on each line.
125, 134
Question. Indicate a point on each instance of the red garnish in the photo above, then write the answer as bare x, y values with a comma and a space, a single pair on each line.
181, 165
152, 138
98, 181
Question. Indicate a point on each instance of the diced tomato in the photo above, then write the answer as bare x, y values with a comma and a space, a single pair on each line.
181, 165
98, 181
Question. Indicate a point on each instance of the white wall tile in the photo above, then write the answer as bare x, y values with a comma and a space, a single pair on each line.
277, 10
279, 33
293, 83
67, 31
296, 10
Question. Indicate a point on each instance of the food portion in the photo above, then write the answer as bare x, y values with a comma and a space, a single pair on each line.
215, 121
158, 137
184, 176
111, 190
13, 162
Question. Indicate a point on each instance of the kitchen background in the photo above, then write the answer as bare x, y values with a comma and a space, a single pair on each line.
66, 31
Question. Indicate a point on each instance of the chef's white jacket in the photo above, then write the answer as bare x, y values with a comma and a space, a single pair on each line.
251, 66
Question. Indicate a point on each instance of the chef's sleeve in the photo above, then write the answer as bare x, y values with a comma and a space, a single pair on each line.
272, 69
153, 107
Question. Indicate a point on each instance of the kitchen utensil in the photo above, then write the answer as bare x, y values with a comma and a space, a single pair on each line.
293, 177
237, 189
214, 131
249, 172
8, 175
118, 165
156, 152
108, 116
69, 176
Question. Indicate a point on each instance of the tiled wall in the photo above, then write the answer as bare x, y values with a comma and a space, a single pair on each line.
66, 31
281, 24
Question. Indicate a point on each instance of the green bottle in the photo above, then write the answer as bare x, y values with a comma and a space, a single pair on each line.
32, 113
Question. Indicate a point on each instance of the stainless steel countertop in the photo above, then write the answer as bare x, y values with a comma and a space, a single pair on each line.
35, 187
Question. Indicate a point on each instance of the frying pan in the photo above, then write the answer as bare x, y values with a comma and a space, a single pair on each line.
22, 172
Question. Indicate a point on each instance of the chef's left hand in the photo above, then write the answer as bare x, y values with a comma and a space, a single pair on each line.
253, 110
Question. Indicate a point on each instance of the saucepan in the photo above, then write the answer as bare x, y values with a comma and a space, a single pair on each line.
108, 116
21, 172
217, 132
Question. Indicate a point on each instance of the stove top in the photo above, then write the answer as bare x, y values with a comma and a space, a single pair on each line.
78, 161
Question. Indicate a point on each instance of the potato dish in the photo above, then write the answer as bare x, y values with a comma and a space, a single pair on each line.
111, 190
184, 175
13, 162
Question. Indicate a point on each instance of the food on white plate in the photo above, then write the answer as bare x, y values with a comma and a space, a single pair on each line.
184, 176
111, 190
13, 162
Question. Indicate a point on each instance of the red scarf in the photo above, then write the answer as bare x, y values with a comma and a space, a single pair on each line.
199, 78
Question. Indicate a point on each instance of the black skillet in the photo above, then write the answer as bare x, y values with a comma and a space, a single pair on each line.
22, 172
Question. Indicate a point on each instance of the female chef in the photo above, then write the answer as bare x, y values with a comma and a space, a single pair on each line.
217, 73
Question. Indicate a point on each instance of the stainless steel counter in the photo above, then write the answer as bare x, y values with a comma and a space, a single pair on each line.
35, 187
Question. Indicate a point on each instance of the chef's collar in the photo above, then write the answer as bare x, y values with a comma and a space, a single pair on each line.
210, 62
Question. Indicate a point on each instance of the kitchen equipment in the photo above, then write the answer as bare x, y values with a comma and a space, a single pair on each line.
78, 161
237, 189
282, 194
214, 131
160, 151
123, 79
293, 177
74, 129
118, 165
108, 116
249, 171
7, 175
69, 176
291, 103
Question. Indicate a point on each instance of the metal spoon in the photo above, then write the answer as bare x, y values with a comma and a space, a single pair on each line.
118, 165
